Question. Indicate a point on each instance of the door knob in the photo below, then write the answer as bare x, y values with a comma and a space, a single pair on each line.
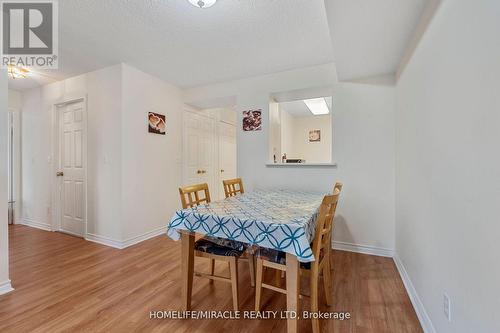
221, 170
203, 171
59, 174
198, 172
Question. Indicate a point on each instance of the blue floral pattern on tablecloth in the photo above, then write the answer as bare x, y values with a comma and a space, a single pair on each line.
282, 220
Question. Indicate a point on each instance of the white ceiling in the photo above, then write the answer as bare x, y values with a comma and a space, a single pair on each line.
370, 37
36, 78
299, 109
234, 39
188, 46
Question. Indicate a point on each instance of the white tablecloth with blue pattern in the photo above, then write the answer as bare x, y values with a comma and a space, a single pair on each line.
283, 220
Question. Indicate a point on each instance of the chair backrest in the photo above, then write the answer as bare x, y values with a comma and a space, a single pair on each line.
338, 186
324, 225
190, 195
230, 188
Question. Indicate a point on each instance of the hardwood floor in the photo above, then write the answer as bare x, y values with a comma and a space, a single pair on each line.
66, 284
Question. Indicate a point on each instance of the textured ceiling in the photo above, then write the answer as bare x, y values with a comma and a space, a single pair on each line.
370, 37
234, 39
188, 46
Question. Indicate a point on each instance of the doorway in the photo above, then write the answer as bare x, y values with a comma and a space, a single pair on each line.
209, 148
71, 168
13, 165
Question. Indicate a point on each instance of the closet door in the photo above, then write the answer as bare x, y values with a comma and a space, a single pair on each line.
199, 150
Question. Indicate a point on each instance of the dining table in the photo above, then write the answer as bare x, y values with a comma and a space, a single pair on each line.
279, 219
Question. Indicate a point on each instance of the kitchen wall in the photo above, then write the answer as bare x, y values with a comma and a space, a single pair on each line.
297, 131
286, 127
364, 136
448, 179
5, 285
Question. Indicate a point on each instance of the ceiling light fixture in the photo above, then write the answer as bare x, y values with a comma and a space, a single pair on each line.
17, 72
317, 106
202, 3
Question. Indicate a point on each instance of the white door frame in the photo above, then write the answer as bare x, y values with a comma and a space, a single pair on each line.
14, 182
54, 160
220, 176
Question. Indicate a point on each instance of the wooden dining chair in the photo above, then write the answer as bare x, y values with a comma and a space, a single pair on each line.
190, 195
338, 186
212, 249
232, 187
320, 248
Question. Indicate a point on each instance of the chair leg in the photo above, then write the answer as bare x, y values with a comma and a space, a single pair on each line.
327, 280
233, 268
251, 267
212, 269
314, 298
187, 262
258, 284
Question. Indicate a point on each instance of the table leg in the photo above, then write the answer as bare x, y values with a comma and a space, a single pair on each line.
187, 267
292, 291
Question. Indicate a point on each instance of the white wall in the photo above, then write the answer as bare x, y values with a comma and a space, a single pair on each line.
227, 115
4, 232
448, 180
364, 149
151, 163
132, 174
103, 90
15, 99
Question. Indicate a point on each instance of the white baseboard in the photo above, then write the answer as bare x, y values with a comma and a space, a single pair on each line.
35, 224
117, 244
423, 317
104, 240
364, 249
5, 287
145, 236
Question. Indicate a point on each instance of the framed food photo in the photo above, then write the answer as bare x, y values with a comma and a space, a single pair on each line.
156, 123
252, 120
315, 135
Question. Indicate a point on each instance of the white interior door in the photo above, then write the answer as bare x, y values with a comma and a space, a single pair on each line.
72, 168
227, 154
199, 150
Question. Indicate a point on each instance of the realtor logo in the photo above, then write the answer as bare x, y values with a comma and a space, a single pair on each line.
29, 33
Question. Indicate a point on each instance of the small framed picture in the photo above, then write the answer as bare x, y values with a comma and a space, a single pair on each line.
252, 120
315, 135
156, 123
